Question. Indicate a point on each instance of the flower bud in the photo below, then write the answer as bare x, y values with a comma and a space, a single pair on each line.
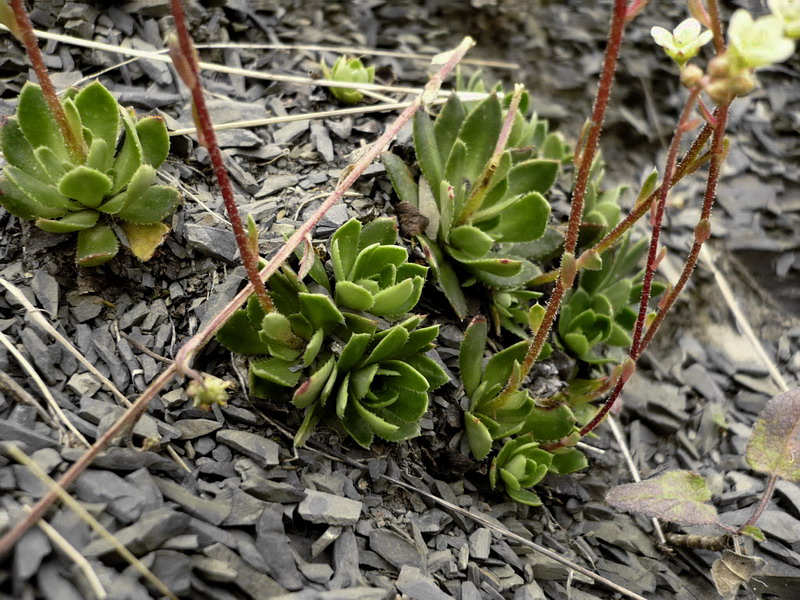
691, 75
743, 83
209, 391
719, 67
719, 91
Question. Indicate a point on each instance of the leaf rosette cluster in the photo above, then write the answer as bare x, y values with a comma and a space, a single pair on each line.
110, 178
485, 209
347, 347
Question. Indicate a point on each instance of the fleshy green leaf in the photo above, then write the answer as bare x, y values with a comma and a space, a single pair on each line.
37, 122
86, 185
391, 343
353, 296
320, 310
344, 249
479, 132
22, 205
471, 240
448, 124
155, 204
478, 436
154, 139
276, 371
403, 182
677, 496
379, 231
571, 461
310, 389
130, 156
470, 357
238, 335
774, 445
390, 301
54, 203
550, 423
99, 113
371, 260
524, 221
536, 175
76, 221
430, 160
446, 276
18, 151
145, 238
96, 246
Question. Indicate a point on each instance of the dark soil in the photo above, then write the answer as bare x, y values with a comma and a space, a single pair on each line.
255, 518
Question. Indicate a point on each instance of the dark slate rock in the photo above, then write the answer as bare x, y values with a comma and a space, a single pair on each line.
213, 241
213, 569
212, 511
469, 591
45, 357
53, 586
28, 482
174, 569
700, 379
790, 494
480, 542
124, 500
146, 485
530, 591
147, 534
277, 553
276, 183
245, 509
45, 287
417, 586
127, 459
395, 549
194, 428
432, 521
134, 315
208, 534
272, 491
29, 552
345, 561
321, 507
290, 131
47, 458
249, 580
34, 441
260, 449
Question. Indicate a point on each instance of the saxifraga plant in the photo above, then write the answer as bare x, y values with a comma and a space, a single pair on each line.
348, 71
335, 344
485, 169
104, 182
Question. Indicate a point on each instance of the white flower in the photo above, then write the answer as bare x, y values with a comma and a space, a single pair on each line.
759, 42
787, 11
684, 42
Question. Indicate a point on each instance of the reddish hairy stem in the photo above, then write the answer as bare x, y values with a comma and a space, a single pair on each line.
201, 338
209, 138
762, 504
579, 191
75, 146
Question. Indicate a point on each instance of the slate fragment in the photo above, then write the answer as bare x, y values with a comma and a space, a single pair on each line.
395, 549
124, 500
174, 569
321, 507
148, 533
253, 583
29, 552
417, 586
260, 449
272, 491
212, 511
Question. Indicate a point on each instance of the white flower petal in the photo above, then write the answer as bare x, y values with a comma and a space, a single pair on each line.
687, 32
662, 37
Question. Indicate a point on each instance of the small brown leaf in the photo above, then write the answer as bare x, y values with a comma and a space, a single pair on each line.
412, 222
677, 496
145, 238
774, 445
732, 570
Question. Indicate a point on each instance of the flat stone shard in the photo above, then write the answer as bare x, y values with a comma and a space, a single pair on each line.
321, 507
395, 549
417, 586
263, 451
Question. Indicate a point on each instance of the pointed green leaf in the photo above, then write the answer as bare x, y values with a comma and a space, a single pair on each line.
379, 426
129, 157
524, 496
448, 124
357, 428
470, 357
407, 377
774, 445
100, 157
505, 267
402, 180
308, 391
320, 310
571, 461
479, 132
72, 222
313, 347
238, 335
360, 381
676, 496
154, 139
276, 371
471, 240
23, 206
553, 147
372, 259
429, 369
53, 166
53, 202
96, 246
526, 220
344, 249
99, 113
353, 296
382, 230
37, 123
446, 276
536, 175
155, 204
312, 417
392, 343
428, 155
17, 150
86, 185
353, 351
391, 301
478, 436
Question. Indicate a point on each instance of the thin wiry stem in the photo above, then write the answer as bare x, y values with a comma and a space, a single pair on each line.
209, 139
579, 191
